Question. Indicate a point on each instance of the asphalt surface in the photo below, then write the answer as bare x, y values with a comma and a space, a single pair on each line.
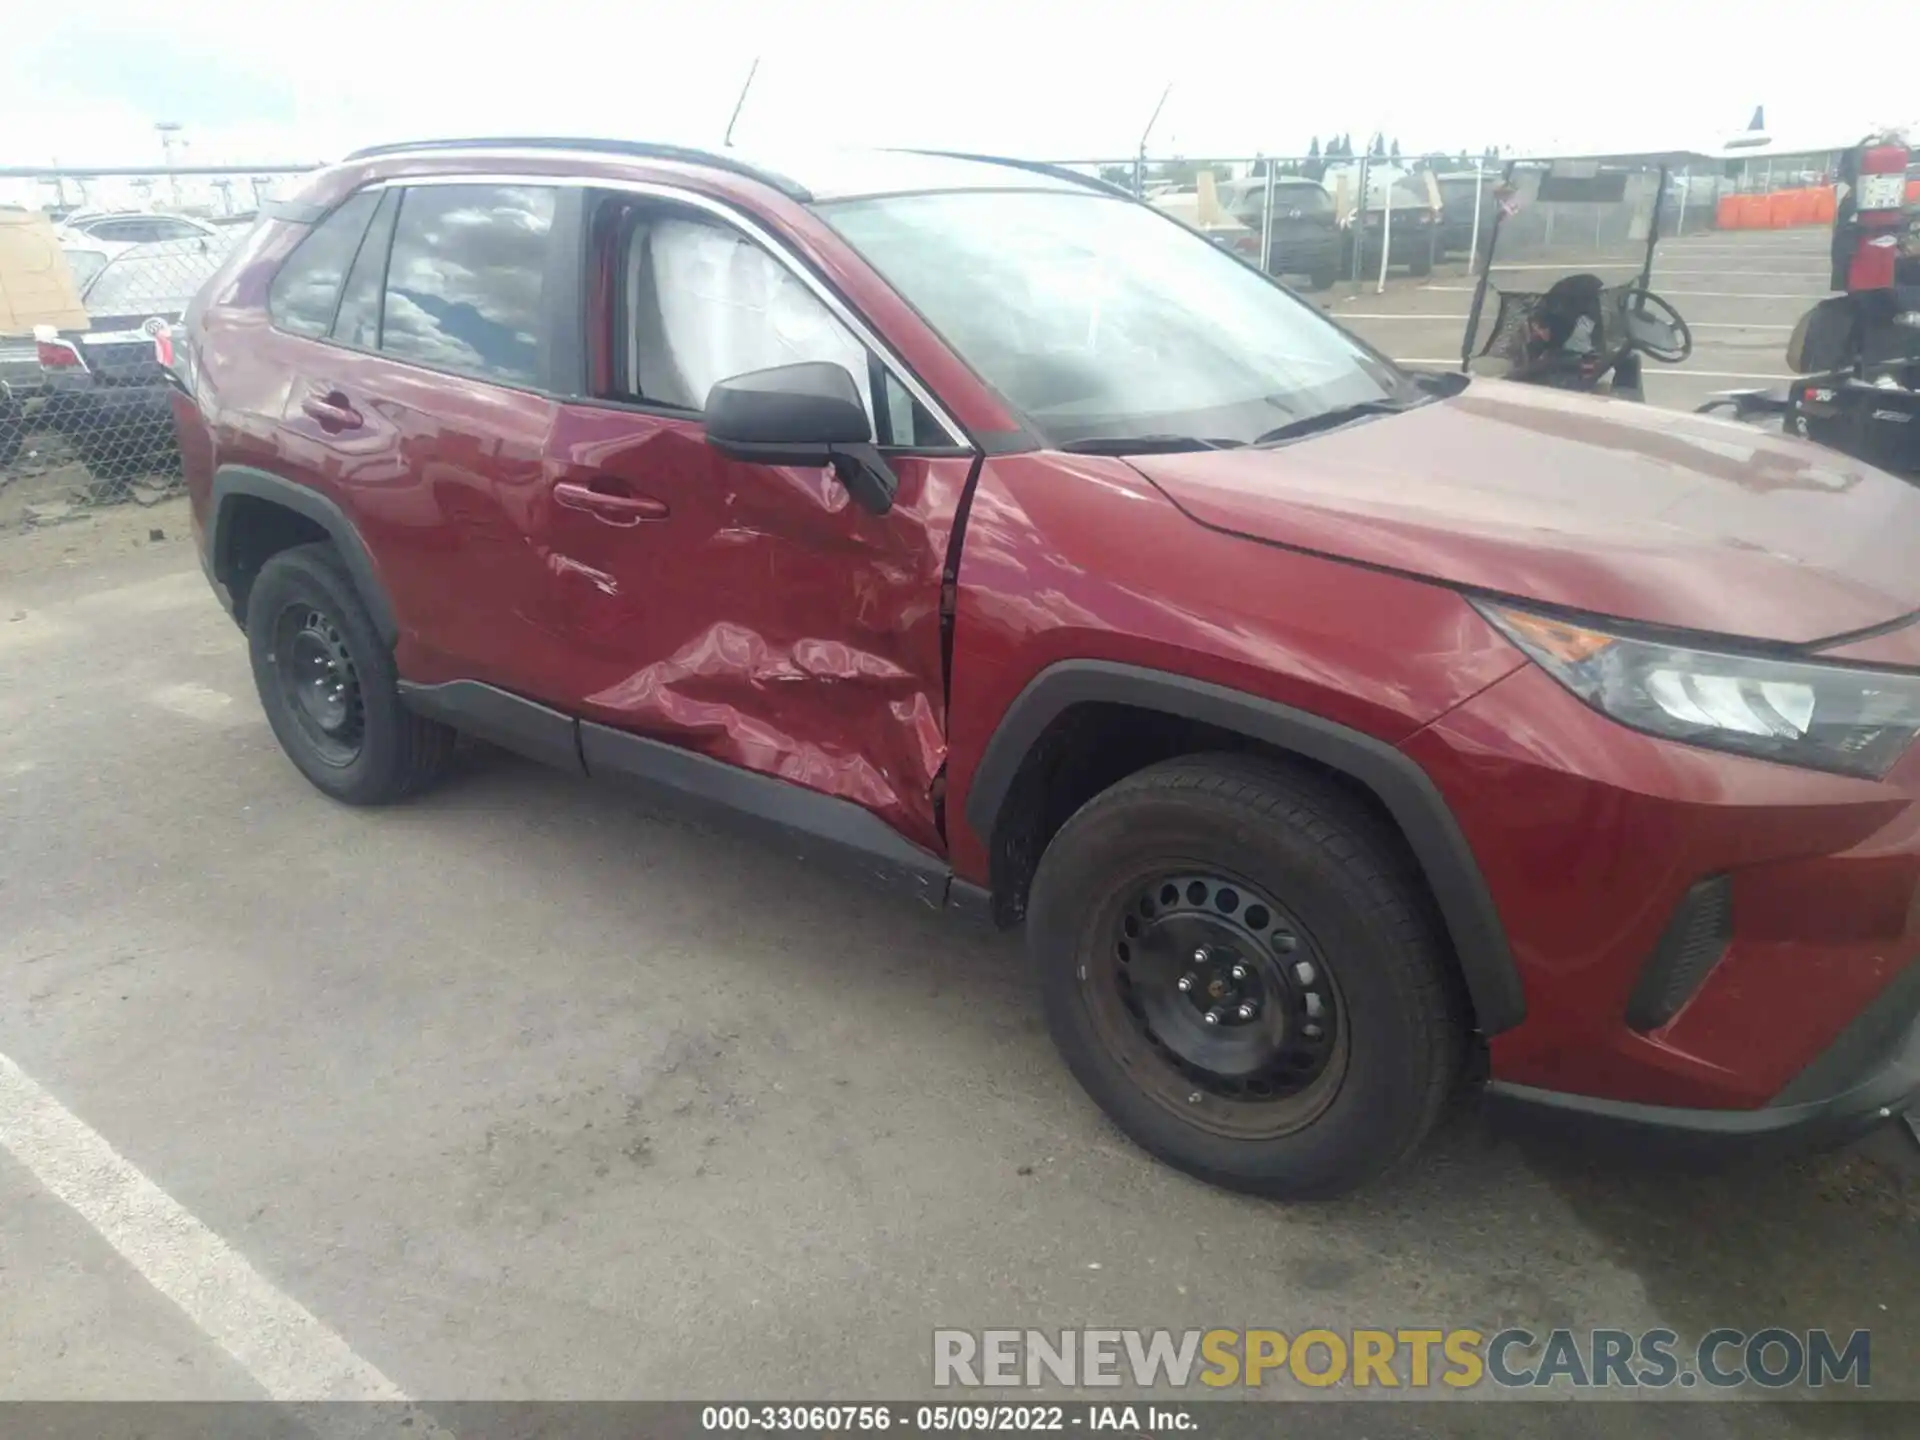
521, 1092
1741, 292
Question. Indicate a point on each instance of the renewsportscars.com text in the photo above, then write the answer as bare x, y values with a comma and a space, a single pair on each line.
1401, 1359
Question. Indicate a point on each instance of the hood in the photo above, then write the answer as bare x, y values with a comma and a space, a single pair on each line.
1608, 507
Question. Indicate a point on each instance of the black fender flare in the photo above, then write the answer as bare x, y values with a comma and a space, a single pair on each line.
231, 481
1409, 795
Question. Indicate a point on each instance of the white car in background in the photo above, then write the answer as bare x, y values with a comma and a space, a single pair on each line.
115, 231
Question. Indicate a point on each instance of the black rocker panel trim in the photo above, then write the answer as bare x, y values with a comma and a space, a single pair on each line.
1466, 905
508, 720
796, 820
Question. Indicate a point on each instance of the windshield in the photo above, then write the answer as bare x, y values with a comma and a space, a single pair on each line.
1095, 318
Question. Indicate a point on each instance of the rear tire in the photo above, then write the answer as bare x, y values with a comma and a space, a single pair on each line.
328, 685
1322, 279
1212, 868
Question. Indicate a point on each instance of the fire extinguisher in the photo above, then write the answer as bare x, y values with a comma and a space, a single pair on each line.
1879, 207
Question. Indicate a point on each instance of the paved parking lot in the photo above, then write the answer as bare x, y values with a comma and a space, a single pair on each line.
521, 1092
1741, 292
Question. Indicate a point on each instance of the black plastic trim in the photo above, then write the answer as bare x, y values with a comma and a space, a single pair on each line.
1466, 905
230, 481
564, 295
508, 720
798, 821
1696, 936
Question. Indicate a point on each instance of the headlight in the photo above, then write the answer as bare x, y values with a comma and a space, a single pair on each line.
1825, 717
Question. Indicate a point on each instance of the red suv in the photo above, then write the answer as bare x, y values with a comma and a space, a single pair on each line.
1337, 733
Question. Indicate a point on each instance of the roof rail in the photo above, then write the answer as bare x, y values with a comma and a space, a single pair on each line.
1037, 167
639, 149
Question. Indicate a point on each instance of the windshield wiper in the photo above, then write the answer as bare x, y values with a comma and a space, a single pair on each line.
1143, 444
1339, 415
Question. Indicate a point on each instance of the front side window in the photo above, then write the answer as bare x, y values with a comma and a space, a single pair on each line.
704, 303
466, 279
306, 291
1097, 319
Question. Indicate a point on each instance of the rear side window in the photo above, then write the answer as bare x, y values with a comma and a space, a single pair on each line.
307, 290
465, 279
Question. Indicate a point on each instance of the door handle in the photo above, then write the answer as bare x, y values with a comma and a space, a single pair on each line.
608, 507
333, 411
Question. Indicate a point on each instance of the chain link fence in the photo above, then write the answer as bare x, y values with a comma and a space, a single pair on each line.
112, 260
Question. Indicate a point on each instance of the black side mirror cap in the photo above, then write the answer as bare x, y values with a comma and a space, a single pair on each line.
806, 414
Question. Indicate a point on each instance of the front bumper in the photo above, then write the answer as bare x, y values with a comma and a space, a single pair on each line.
1868, 1077
1707, 944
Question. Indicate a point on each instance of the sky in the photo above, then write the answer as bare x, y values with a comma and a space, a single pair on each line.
259, 83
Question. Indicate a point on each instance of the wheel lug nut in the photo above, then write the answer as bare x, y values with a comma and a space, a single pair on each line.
1200, 956
1212, 1017
1246, 1010
1185, 983
1240, 972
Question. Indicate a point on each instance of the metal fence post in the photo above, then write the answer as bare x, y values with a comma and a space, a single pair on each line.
1358, 230
1266, 225
1473, 241
1386, 238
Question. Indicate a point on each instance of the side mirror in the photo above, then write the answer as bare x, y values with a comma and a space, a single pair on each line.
807, 414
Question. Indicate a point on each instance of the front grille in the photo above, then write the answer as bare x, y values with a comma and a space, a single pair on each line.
1695, 938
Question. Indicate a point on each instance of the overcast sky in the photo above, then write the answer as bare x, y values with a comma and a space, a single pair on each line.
83, 83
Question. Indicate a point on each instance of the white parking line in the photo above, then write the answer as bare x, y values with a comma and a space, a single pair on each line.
290, 1354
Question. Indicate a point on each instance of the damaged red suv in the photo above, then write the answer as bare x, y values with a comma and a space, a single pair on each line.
1340, 736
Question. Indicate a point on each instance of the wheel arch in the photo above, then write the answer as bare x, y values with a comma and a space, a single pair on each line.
244, 498
1392, 779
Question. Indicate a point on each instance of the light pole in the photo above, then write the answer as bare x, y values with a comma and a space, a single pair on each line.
169, 138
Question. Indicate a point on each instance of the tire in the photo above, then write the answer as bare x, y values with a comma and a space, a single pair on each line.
1336, 894
1421, 266
1322, 279
306, 623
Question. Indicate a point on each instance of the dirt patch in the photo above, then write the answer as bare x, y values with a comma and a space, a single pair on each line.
86, 534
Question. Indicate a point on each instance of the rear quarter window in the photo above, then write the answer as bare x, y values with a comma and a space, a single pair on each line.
306, 291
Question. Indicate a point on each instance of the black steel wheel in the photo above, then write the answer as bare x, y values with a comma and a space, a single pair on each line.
319, 685
1243, 969
328, 685
1221, 1001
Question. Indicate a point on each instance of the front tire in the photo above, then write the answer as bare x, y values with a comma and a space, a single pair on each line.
328, 685
1241, 969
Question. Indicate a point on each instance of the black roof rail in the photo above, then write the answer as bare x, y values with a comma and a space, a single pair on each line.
639, 149
1037, 167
